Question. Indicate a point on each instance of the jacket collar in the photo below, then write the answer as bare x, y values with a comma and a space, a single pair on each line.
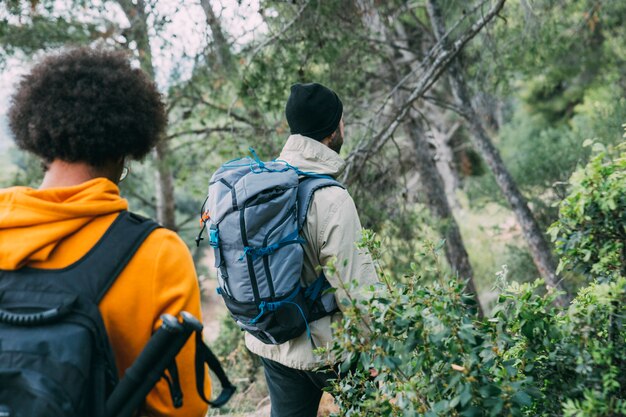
310, 155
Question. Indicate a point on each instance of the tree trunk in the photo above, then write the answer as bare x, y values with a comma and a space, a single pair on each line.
539, 247
433, 188
222, 48
164, 180
432, 183
164, 185
444, 155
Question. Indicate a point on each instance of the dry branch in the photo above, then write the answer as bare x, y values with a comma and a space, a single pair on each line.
431, 74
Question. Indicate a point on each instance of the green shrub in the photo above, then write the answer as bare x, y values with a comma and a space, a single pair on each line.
242, 367
590, 234
421, 350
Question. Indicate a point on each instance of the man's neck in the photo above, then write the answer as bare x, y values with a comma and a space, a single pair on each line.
67, 174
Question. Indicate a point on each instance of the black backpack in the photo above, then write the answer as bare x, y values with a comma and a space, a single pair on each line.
55, 356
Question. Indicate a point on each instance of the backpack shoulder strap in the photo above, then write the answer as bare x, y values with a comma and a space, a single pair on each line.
308, 186
100, 267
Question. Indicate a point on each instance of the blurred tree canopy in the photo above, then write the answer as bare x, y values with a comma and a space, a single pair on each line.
467, 123
539, 76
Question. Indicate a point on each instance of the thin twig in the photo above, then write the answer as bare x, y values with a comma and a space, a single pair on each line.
439, 46
202, 131
431, 74
280, 33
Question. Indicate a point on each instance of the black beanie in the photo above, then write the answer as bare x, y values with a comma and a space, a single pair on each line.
313, 110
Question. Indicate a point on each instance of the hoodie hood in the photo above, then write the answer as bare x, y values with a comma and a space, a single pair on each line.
33, 222
310, 155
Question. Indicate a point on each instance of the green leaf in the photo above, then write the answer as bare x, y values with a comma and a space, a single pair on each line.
440, 406
466, 394
490, 390
522, 399
472, 412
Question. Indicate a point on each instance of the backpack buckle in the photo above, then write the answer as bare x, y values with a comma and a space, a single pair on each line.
214, 236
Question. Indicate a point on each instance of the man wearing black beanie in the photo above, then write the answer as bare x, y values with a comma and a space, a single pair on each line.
313, 111
315, 117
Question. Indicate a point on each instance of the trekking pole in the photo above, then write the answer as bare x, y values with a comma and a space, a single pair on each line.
148, 368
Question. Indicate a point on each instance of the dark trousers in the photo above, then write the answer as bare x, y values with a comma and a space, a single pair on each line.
294, 393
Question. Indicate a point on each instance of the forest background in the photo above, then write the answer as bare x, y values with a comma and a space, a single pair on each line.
471, 127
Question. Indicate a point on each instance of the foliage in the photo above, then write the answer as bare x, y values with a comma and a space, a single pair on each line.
43, 32
28, 170
520, 263
217, 113
421, 350
423, 353
564, 82
590, 234
555, 70
28, 27
402, 239
572, 356
242, 366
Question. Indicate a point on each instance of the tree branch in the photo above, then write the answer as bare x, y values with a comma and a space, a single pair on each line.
280, 33
202, 131
431, 74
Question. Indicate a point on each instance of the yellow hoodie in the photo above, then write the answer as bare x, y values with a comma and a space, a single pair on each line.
54, 228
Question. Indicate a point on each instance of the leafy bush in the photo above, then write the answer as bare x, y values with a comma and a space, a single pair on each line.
421, 350
242, 367
574, 355
590, 234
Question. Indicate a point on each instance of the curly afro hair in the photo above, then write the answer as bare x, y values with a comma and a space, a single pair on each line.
87, 105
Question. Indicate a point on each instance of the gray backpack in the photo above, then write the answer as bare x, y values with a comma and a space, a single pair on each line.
254, 213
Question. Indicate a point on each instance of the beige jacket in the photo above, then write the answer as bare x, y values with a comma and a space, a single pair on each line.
332, 228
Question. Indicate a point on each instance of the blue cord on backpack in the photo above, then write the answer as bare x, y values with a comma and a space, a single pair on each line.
260, 163
261, 312
273, 306
303, 173
268, 250
308, 331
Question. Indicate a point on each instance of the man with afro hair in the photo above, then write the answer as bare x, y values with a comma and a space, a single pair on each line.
86, 113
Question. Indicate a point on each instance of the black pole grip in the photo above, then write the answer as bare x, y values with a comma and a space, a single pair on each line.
154, 373
192, 323
121, 401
